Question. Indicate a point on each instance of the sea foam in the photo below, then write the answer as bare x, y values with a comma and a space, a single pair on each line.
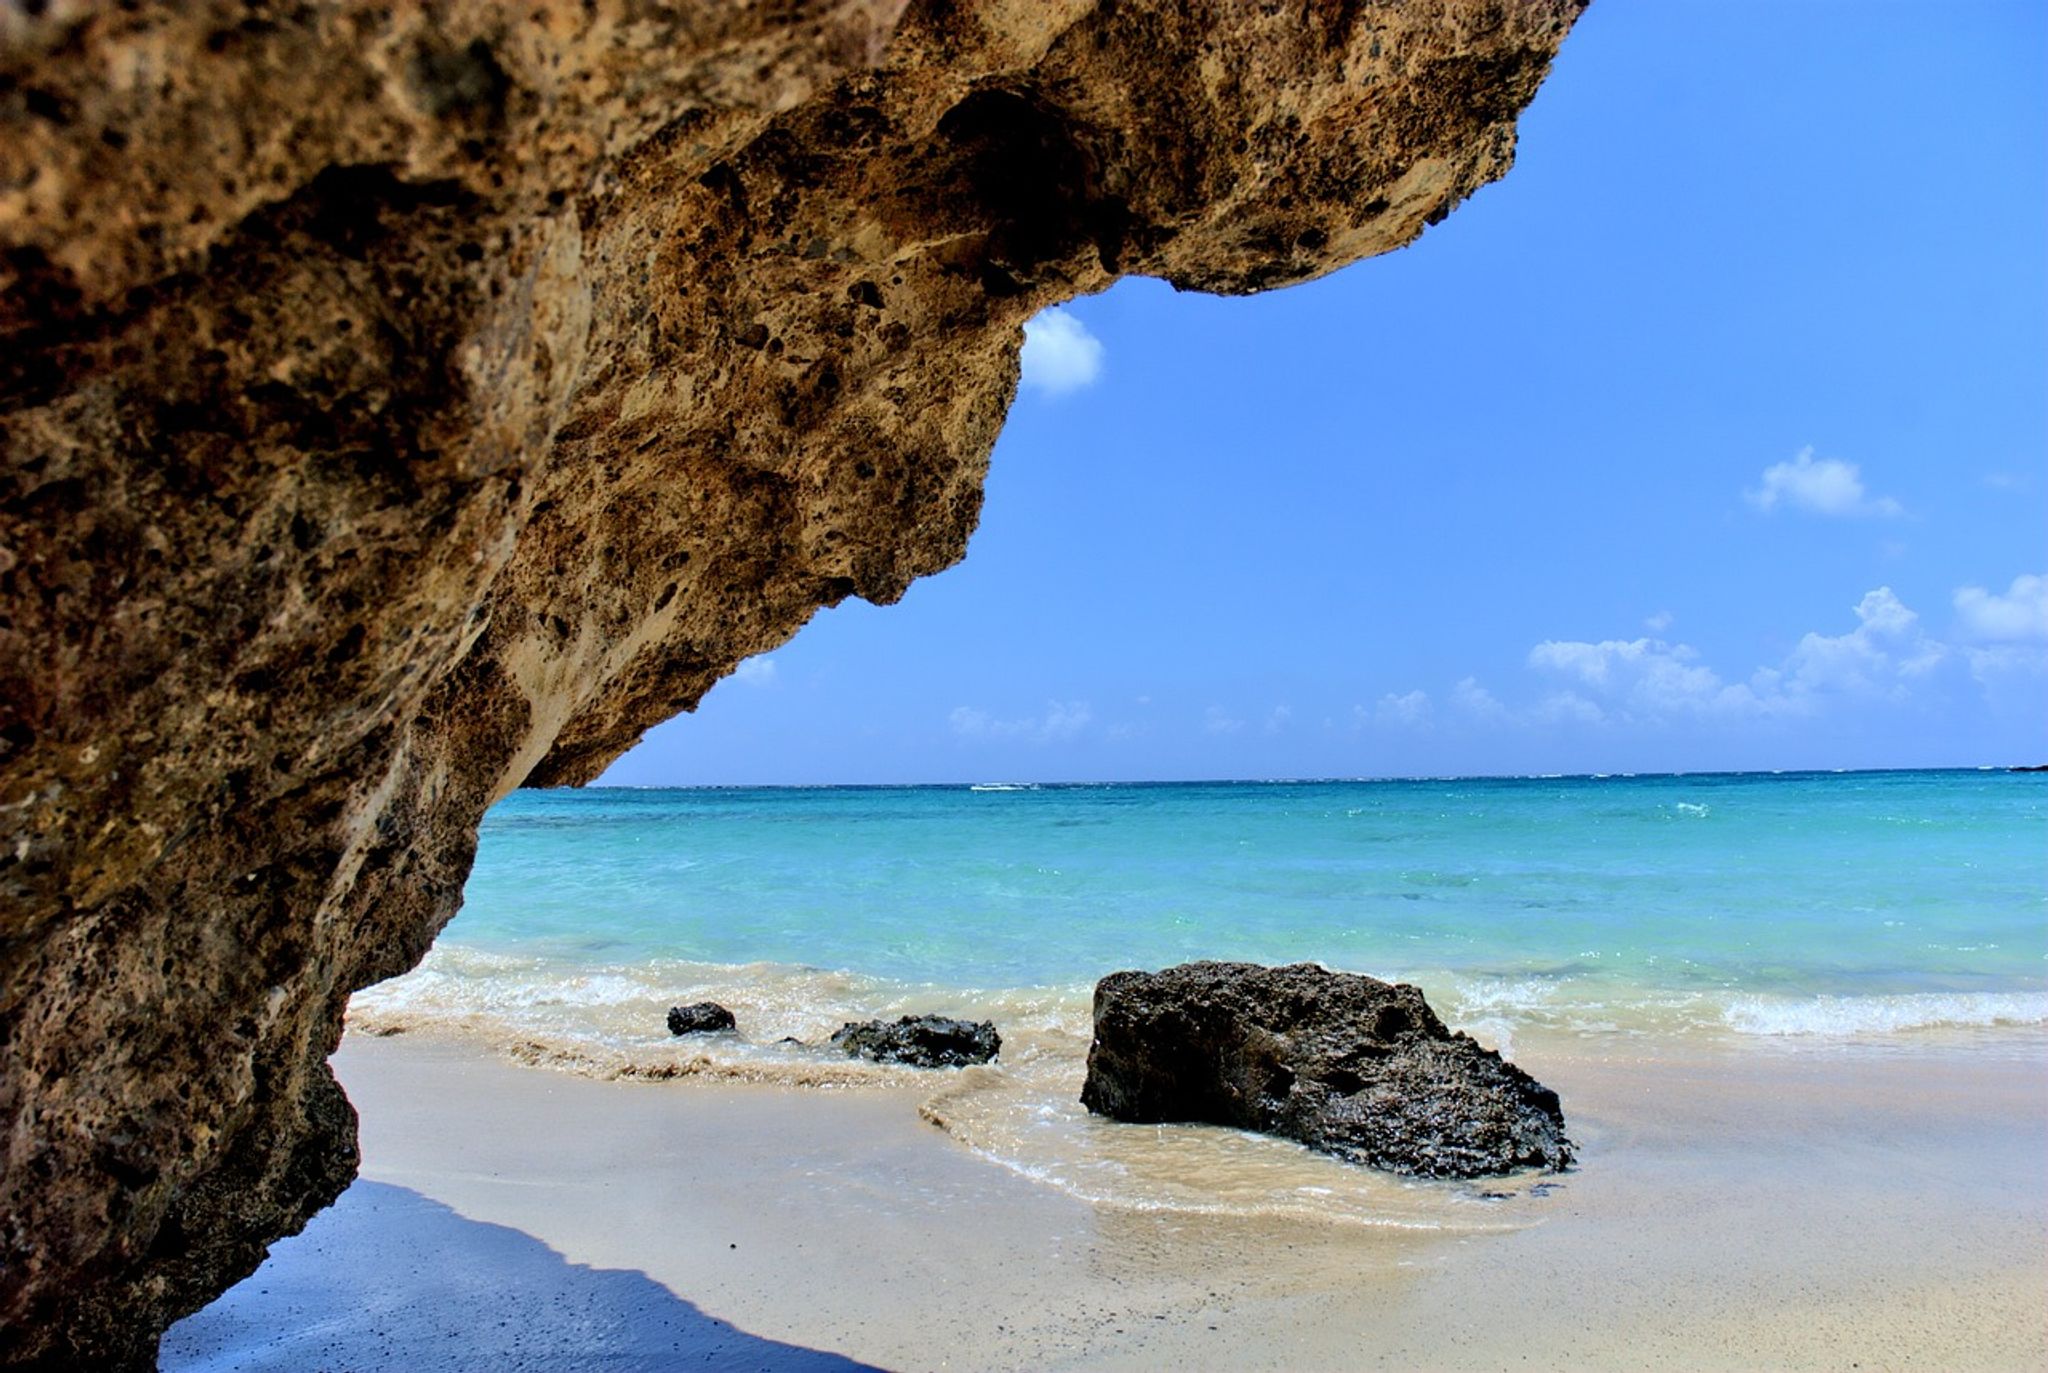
1854, 1016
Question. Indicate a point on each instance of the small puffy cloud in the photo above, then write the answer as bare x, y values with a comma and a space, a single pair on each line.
1411, 710
1886, 647
2020, 613
1217, 720
1277, 719
1060, 355
1659, 622
1567, 708
1476, 701
1061, 721
1820, 486
1065, 719
1882, 612
758, 671
2011, 633
1997, 666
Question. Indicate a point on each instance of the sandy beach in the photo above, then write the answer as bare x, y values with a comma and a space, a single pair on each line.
1866, 1207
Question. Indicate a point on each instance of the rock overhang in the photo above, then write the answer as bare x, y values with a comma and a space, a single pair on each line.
402, 405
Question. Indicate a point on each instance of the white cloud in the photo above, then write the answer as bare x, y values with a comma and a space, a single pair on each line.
2021, 613
1476, 701
1887, 656
1886, 648
1640, 678
2000, 668
1650, 680
1410, 710
1278, 718
1062, 720
1060, 355
1823, 486
1217, 720
1567, 707
755, 671
1659, 622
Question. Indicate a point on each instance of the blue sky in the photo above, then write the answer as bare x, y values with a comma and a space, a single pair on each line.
1715, 436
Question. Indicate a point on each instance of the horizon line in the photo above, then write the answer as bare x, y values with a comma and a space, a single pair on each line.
1023, 783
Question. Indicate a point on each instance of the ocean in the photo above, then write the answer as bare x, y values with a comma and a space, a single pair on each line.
1808, 912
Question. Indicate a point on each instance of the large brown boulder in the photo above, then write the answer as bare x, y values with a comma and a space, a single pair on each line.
403, 403
1349, 1065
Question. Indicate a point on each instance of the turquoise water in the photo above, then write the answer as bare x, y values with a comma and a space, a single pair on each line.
1870, 912
1827, 904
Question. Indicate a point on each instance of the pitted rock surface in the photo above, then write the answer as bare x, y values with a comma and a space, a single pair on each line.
1349, 1065
401, 404
920, 1041
700, 1018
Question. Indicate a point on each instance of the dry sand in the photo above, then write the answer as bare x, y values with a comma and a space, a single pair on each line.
1756, 1208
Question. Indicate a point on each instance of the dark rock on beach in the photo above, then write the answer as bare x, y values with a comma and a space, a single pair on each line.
921, 1041
1345, 1064
702, 1018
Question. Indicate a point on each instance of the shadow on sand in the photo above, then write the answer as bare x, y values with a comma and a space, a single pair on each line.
387, 1279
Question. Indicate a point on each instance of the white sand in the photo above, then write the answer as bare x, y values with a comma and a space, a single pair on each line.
1815, 1208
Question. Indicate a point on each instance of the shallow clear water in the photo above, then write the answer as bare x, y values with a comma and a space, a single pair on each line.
1807, 909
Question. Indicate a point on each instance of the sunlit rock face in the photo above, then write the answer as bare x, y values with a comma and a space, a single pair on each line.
400, 405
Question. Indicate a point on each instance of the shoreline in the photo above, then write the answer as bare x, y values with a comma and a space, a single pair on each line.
1792, 1208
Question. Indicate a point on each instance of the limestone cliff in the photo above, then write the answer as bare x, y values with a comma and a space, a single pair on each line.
401, 404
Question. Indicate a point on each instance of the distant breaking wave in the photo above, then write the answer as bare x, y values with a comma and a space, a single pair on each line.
1853, 1016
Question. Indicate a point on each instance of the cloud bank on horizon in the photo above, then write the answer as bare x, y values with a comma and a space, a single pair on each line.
2001, 644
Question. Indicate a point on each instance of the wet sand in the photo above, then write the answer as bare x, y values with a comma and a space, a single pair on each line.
1752, 1207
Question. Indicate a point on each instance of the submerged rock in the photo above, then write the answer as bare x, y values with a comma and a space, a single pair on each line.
700, 1018
921, 1041
1345, 1064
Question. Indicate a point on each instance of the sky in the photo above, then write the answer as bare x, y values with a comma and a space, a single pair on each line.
1714, 437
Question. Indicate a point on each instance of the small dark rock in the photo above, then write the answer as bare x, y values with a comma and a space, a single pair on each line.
1348, 1065
705, 1017
922, 1041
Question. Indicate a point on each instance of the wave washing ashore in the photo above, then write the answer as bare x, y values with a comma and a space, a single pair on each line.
1866, 912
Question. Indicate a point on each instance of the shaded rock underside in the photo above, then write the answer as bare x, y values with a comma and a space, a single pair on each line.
401, 404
